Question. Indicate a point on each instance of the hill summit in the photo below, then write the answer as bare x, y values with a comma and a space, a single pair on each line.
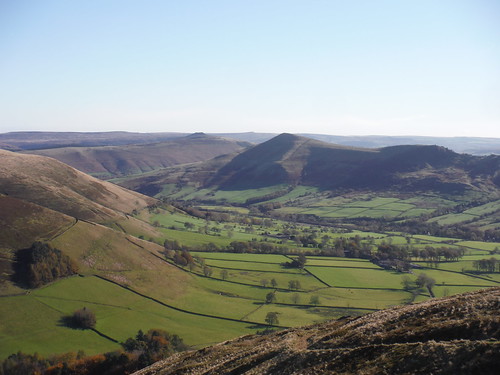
454, 335
291, 159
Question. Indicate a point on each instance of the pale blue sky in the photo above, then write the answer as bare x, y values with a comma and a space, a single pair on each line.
335, 67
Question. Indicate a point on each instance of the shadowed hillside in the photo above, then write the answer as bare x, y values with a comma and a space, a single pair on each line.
293, 160
114, 161
455, 335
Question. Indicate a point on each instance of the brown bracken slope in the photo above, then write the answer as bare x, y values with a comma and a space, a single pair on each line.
453, 335
49, 183
115, 161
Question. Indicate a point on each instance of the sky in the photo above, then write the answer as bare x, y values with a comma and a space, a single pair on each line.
360, 67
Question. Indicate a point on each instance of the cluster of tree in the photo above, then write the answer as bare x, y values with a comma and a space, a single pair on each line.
272, 318
417, 286
298, 262
42, 264
294, 285
83, 318
173, 245
413, 226
255, 247
204, 214
182, 258
138, 352
268, 197
153, 346
487, 265
264, 208
270, 297
265, 282
421, 226
428, 253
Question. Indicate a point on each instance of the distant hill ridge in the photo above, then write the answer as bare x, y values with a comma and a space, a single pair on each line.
454, 335
123, 160
43, 140
295, 160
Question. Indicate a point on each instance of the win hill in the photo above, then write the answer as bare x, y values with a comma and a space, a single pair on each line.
294, 160
122, 160
455, 335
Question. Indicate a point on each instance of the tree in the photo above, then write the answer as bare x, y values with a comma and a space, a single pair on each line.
408, 285
84, 318
426, 281
264, 282
301, 260
224, 274
272, 318
294, 284
207, 271
295, 298
314, 300
274, 283
270, 297
42, 264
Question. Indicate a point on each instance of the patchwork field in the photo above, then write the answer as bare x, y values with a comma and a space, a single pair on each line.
133, 283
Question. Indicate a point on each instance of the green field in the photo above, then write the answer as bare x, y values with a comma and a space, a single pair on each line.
149, 291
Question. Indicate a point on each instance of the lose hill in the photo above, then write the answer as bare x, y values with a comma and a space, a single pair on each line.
294, 160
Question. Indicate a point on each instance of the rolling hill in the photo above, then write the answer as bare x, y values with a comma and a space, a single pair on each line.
57, 186
132, 283
42, 140
455, 335
14, 141
294, 160
123, 160
126, 280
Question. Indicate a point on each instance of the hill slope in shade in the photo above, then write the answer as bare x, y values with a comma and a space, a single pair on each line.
294, 160
54, 185
114, 161
454, 335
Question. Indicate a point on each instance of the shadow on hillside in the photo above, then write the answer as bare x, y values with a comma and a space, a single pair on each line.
68, 322
20, 275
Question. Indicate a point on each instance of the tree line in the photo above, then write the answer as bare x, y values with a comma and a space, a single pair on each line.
487, 265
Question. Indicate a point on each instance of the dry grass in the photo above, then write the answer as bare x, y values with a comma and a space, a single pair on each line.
457, 334
55, 185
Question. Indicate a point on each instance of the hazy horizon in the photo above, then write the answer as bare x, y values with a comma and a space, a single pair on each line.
323, 67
